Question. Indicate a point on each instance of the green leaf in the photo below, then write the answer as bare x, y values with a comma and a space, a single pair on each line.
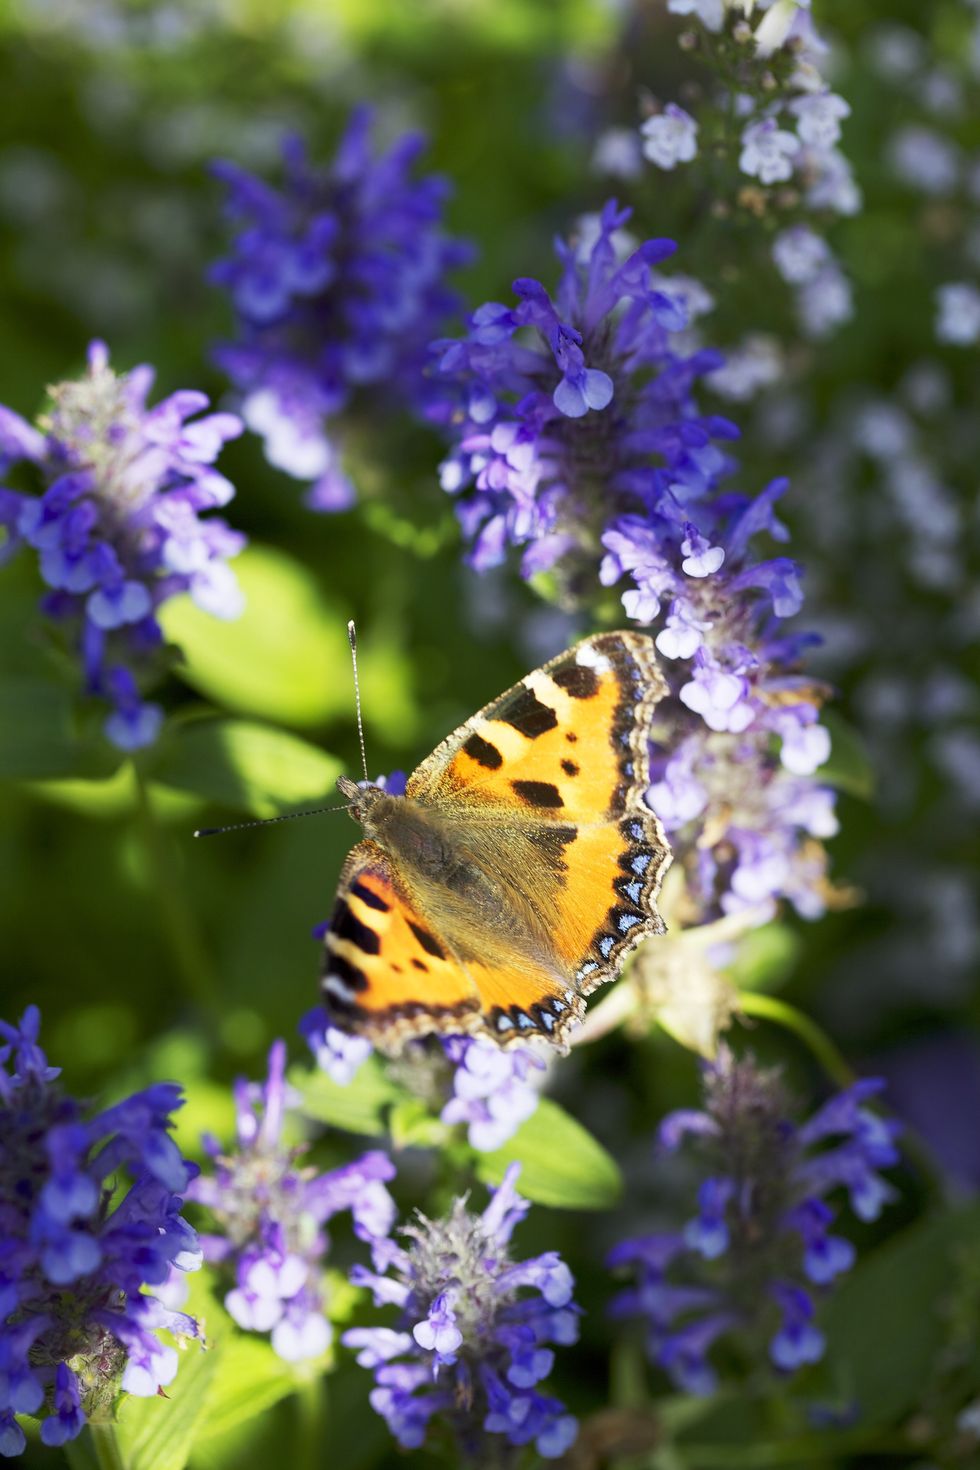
412, 1125
360, 1107
159, 1434
885, 1325
217, 1389
765, 957
245, 765
250, 1378
849, 766
285, 659
38, 734
561, 1163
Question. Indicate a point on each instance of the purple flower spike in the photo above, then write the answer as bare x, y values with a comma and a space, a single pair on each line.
471, 1347
576, 436
76, 1327
761, 1240
270, 1211
338, 284
119, 527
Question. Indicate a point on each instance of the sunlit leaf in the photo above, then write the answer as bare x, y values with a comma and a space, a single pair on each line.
241, 764
285, 659
561, 1163
359, 1107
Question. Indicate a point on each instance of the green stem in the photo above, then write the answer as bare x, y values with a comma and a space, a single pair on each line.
814, 1038
96, 1448
188, 947
310, 1420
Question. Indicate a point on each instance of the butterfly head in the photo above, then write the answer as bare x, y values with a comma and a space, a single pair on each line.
364, 799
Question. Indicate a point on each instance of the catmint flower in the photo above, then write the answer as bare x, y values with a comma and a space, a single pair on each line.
670, 138
761, 1249
768, 151
825, 302
493, 1092
119, 528
473, 1082
711, 13
338, 284
831, 184
800, 254
925, 160
471, 1347
90, 1217
617, 153
589, 432
818, 118
270, 1210
958, 314
755, 364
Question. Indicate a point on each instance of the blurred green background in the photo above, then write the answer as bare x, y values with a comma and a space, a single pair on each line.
153, 955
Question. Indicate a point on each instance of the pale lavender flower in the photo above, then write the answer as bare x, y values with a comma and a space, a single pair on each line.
493, 1091
711, 13
270, 1211
471, 1347
825, 302
958, 313
925, 159
818, 118
670, 138
768, 151
119, 528
800, 254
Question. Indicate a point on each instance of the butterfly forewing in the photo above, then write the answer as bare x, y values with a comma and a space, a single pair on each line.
545, 788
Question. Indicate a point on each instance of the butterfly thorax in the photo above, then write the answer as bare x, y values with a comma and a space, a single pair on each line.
443, 870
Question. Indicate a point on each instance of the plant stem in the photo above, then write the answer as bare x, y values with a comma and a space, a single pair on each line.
310, 1421
185, 939
814, 1038
96, 1448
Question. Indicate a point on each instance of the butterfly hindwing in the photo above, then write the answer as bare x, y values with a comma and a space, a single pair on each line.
524, 854
565, 752
386, 974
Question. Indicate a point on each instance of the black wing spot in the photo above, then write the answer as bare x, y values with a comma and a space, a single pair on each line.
484, 753
421, 965
346, 925
428, 941
344, 970
571, 736
368, 896
538, 793
529, 716
578, 680
570, 768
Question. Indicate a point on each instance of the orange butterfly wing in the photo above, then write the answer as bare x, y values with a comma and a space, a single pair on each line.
386, 974
546, 785
566, 752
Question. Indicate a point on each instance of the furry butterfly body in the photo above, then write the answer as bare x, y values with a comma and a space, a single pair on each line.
519, 868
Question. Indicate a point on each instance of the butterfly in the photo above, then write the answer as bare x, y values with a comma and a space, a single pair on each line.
518, 870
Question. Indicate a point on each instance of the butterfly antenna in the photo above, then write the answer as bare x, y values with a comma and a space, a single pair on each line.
268, 821
352, 635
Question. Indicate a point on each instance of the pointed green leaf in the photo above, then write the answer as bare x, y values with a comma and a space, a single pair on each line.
885, 1324
285, 659
159, 1433
561, 1163
849, 766
359, 1107
242, 764
40, 737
